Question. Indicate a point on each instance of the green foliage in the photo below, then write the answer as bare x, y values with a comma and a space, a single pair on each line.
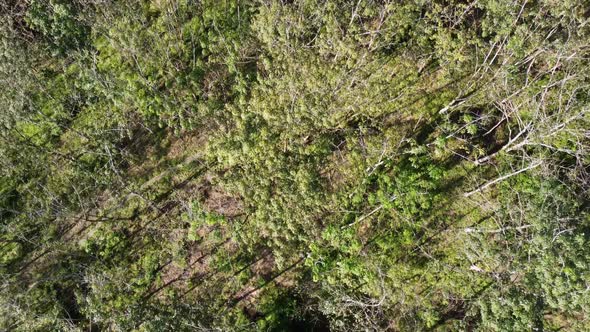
60, 24
292, 165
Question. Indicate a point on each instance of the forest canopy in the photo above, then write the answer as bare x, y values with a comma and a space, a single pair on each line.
294, 165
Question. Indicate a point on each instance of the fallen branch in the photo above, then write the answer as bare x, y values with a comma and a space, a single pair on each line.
504, 177
500, 230
377, 209
508, 146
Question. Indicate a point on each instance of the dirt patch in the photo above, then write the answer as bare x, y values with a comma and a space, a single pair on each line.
223, 203
188, 144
